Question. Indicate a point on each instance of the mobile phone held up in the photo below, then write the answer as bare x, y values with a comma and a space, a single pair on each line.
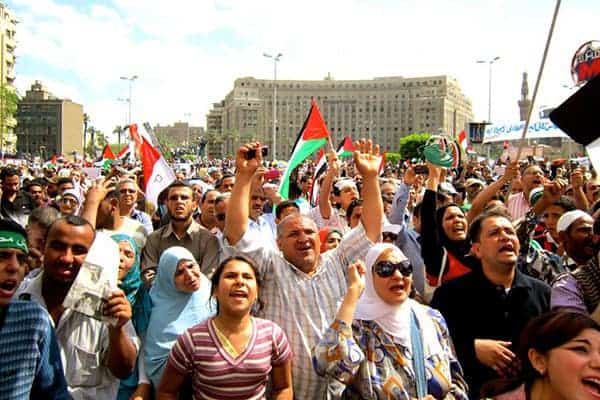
252, 153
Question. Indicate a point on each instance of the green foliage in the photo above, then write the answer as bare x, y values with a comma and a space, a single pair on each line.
99, 139
116, 148
9, 101
392, 157
411, 145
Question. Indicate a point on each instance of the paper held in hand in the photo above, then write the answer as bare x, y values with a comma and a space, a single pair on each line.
96, 280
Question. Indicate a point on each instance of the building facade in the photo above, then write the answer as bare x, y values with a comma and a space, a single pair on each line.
384, 109
180, 133
8, 44
47, 125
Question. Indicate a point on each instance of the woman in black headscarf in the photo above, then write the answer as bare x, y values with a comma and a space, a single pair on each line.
445, 245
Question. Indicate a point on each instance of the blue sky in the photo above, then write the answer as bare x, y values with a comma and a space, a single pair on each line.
188, 53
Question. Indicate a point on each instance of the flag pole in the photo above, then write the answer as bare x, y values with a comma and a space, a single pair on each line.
539, 78
535, 90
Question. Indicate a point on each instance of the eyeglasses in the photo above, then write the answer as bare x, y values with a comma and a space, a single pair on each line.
127, 191
220, 217
68, 200
385, 269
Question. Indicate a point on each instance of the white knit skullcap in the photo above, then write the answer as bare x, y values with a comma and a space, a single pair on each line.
565, 221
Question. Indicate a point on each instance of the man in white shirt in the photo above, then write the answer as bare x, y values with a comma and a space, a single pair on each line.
95, 355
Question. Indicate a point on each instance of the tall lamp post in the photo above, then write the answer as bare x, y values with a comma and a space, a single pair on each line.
275, 60
187, 119
490, 63
130, 79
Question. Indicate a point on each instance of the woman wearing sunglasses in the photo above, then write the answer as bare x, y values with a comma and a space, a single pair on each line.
384, 345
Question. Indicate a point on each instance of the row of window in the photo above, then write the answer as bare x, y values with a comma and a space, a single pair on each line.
342, 85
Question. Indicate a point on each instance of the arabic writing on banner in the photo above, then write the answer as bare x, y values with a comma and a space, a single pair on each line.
543, 128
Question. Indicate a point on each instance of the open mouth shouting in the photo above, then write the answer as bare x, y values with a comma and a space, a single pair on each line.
239, 294
508, 248
398, 288
592, 385
8, 287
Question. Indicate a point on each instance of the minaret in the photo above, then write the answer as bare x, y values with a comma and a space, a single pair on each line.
525, 102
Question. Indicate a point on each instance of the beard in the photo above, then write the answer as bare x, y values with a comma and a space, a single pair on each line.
181, 218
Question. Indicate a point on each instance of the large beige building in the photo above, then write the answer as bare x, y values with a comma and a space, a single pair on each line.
47, 125
180, 133
8, 44
384, 109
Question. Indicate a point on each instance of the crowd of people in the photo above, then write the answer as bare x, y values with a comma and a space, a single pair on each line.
411, 282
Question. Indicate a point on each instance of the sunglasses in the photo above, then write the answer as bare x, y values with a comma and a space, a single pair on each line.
385, 269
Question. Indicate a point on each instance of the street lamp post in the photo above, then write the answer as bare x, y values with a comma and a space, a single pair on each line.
187, 118
275, 60
130, 79
489, 62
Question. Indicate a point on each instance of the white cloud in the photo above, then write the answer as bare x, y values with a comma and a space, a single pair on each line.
349, 39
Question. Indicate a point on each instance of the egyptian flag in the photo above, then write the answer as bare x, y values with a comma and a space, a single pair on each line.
312, 137
578, 118
462, 140
135, 136
320, 169
157, 173
382, 164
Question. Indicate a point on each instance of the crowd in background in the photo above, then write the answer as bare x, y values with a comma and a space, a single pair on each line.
411, 281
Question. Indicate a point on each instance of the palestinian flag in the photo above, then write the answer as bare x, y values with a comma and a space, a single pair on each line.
124, 153
346, 148
320, 169
312, 137
107, 153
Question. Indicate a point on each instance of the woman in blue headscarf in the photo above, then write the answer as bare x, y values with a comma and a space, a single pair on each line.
181, 299
131, 283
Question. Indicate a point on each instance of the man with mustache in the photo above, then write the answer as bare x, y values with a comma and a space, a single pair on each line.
487, 308
576, 291
183, 231
301, 284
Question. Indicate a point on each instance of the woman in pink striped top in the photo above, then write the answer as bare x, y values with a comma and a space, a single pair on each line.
233, 355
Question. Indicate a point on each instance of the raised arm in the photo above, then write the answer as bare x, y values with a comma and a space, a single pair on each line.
367, 160
480, 201
94, 197
333, 170
581, 200
431, 249
236, 221
346, 363
401, 198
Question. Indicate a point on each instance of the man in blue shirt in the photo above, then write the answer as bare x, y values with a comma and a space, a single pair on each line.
29, 354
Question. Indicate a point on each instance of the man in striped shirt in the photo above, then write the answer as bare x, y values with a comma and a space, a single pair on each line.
518, 204
302, 288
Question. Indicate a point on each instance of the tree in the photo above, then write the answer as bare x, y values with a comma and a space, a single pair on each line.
411, 146
9, 101
97, 141
119, 131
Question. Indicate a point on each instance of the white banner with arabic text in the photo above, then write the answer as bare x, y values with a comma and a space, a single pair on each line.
543, 128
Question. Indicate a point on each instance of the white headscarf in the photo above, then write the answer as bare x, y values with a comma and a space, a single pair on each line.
394, 319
